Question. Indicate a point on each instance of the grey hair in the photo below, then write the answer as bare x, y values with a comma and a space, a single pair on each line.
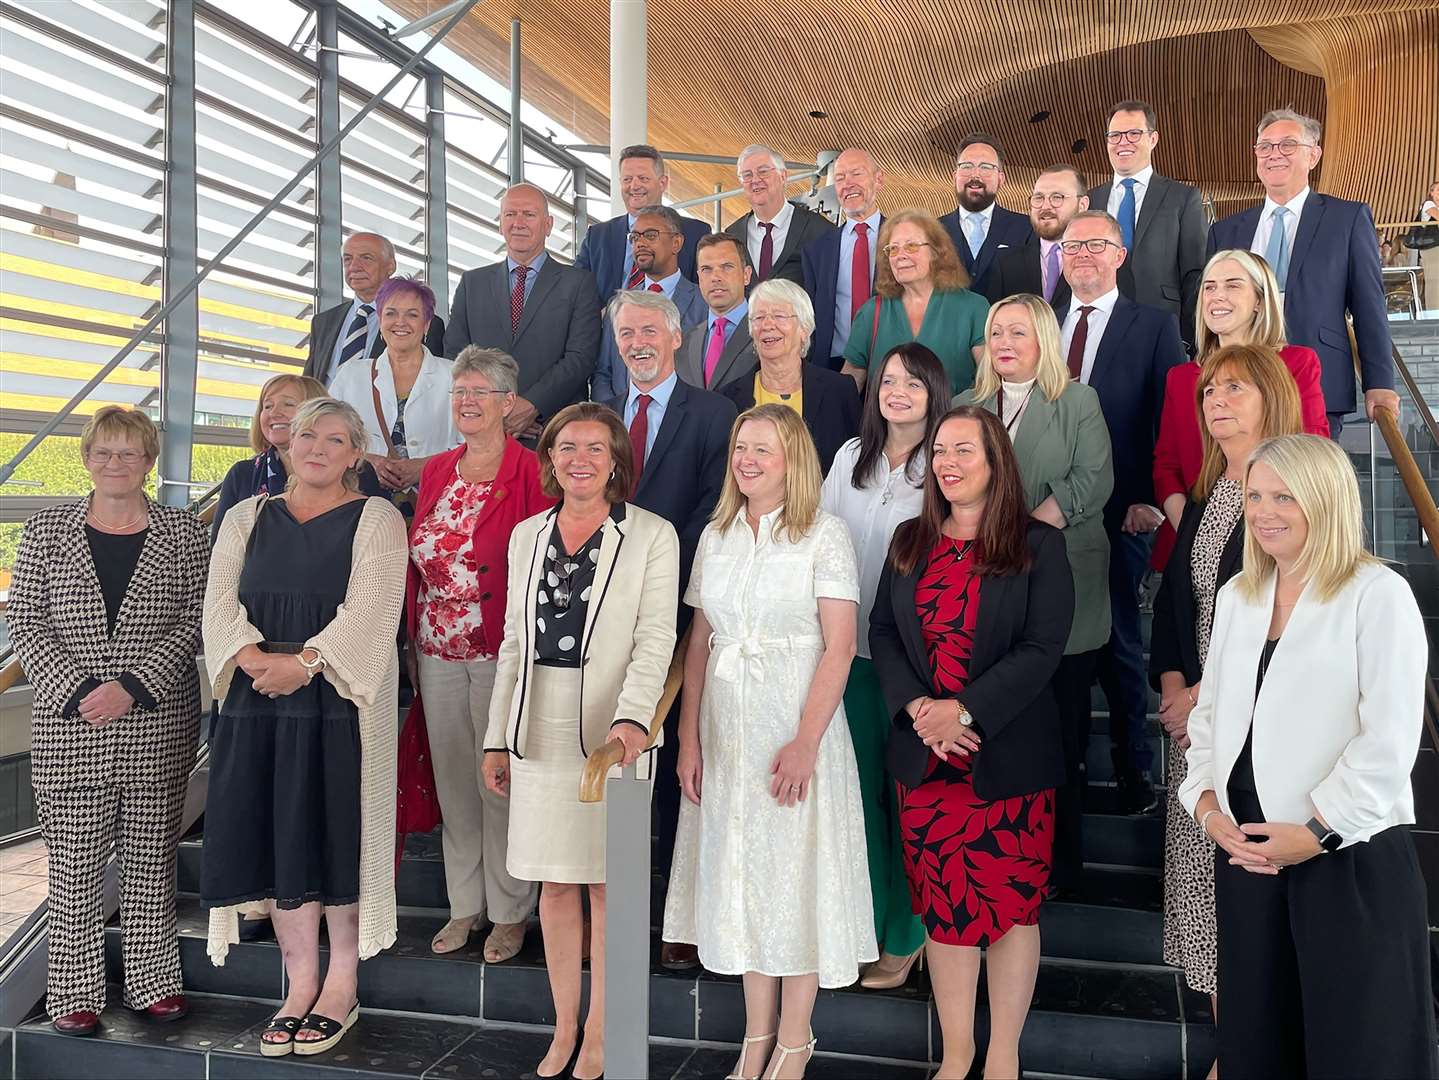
759, 148
643, 298
316, 409
495, 365
387, 249
671, 217
1311, 127
784, 291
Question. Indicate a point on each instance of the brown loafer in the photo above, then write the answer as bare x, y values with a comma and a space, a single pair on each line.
169, 1009
675, 956
77, 1023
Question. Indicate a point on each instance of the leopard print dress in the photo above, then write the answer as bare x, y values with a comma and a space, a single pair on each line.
1190, 934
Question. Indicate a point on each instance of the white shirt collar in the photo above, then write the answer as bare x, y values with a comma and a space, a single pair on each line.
1295, 204
1103, 303
1141, 178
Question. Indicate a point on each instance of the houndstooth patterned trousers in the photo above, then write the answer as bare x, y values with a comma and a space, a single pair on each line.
143, 821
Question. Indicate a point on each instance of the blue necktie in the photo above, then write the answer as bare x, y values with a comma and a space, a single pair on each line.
1276, 254
976, 234
355, 336
1126, 213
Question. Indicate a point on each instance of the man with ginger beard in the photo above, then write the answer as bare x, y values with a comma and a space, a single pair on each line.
981, 228
839, 267
1036, 266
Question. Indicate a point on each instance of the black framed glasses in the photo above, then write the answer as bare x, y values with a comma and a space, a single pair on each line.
562, 592
650, 236
1095, 246
1287, 147
1133, 135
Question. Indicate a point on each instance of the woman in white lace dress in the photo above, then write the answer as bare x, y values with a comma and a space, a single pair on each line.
770, 879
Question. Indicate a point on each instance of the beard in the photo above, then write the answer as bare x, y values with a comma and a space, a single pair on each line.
974, 200
1051, 228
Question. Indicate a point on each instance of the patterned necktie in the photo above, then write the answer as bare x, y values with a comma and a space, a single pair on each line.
859, 287
766, 250
517, 299
976, 234
356, 335
1051, 271
715, 349
655, 286
639, 435
637, 277
1126, 212
1276, 254
1077, 343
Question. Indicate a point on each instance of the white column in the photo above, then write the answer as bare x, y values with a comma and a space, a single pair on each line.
629, 96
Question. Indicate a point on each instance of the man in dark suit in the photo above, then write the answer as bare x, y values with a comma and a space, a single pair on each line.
684, 432
543, 313
658, 243
352, 329
981, 228
775, 231
606, 252
1322, 251
1162, 220
1124, 351
839, 267
1036, 265
719, 350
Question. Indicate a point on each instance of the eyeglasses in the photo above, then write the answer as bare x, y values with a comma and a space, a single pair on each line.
764, 172
1287, 147
779, 319
1055, 199
98, 455
1132, 135
909, 247
988, 168
562, 592
466, 393
651, 236
1094, 247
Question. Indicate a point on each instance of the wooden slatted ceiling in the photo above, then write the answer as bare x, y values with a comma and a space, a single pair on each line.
906, 77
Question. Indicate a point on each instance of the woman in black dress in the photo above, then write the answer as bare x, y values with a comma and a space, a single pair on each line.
300, 617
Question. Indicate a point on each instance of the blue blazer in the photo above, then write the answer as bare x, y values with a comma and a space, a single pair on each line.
819, 262
1006, 230
1139, 346
603, 252
612, 378
1334, 267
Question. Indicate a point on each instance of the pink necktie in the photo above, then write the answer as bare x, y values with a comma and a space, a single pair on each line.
716, 347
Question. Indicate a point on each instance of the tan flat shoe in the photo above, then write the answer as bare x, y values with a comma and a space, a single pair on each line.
455, 934
504, 942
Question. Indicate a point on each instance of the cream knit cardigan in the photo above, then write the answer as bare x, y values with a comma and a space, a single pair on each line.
362, 665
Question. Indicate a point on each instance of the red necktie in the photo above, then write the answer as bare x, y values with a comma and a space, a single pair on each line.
637, 276
1077, 343
655, 286
517, 299
766, 250
639, 434
859, 286
715, 350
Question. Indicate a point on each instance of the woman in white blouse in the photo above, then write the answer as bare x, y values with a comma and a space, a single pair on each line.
769, 876
1301, 746
877, 482
403, 394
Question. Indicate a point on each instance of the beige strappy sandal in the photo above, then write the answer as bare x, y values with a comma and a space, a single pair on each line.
744, 1053
786, 1051
504, 942
454, 935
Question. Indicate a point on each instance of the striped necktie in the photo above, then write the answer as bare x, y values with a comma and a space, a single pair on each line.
355, 337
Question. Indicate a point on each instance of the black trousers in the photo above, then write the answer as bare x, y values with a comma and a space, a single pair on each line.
1123, 674
1071, 690
1324, 968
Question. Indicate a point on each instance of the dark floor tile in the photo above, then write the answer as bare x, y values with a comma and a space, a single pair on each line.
187, 866
7, 1054
421, 884
1099, 932
1121, 1049
492, 1052
424, 846
520, 994
668, 1060
1138, 994
378, 1045
1120, 887
673, 1003
408, 977
894, 1024
720, 1002
707, 1063
1124, 840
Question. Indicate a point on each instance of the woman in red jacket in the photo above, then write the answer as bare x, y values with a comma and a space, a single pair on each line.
470, 500
1239, 304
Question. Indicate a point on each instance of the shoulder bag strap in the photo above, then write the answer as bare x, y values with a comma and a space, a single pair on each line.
380, 412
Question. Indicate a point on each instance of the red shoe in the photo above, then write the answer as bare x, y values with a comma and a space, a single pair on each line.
77, 1023
174, 1007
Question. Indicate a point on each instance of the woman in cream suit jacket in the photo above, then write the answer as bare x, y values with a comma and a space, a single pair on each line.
1301, 746
589, 634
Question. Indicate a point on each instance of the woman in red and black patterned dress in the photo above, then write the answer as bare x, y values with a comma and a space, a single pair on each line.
969, 623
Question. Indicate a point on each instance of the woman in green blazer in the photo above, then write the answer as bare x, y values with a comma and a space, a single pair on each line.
1062, 445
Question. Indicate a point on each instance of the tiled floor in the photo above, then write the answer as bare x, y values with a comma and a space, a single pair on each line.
23, 883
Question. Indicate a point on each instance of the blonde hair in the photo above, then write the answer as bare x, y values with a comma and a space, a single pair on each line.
946, 272
1262, 368
1268, 326
1052, 374
308, 387
121, 422
1322, 481
316, 409
802, 476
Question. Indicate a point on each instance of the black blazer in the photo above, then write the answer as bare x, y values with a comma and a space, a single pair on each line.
1174, 646
1023, 625
831, 407
1018, 270
325, 330
1006, 230
805, 227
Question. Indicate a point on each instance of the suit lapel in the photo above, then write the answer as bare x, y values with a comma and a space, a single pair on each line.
88, 592
157, 555
1153, 200
793, 238
907, 619
738, 342
1247, 224
544, 284
674, 417
610, 544
499, 301
1038, 415
1114, 331
1309, 219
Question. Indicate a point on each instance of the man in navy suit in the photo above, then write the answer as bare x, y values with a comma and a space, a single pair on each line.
1322, 251
658, 243
981, 228
1124, 351
1036, 266
839, 267
605, 251
685, 433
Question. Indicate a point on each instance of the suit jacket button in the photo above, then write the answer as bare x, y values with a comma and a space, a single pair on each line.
484, 596
484, 569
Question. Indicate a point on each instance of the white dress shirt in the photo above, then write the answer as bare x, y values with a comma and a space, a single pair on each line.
1116, 192
778, 233
844, 287
1260, 243
429, 426
1098, 320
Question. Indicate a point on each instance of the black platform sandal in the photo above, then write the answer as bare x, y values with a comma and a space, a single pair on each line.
332, 1030
286, 1025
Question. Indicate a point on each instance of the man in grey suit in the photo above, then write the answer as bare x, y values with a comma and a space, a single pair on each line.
775, 230
719, 349
542, 312
1162, 220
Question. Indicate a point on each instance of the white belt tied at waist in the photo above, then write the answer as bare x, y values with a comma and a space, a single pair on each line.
736, 656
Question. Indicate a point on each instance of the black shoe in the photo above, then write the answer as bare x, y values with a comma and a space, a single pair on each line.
1136, 796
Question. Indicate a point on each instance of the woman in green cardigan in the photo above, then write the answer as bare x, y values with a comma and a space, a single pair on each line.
1062, 445
920, 294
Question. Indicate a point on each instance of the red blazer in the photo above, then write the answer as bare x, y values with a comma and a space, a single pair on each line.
516, 495
1179, 453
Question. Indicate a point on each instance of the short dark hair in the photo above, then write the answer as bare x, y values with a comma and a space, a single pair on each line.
622, 460
646, 151
670, 217
977, 137
1079, 180
1134, 105
713, 239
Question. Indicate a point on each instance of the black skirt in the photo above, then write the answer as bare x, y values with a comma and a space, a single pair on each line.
283, 816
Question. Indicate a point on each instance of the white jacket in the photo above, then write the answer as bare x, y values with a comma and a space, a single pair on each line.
429, 424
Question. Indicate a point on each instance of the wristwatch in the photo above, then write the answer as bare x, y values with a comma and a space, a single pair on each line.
964, 715
1328, 839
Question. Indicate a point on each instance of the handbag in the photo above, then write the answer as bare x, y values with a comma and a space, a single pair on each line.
417, 805
1422, 237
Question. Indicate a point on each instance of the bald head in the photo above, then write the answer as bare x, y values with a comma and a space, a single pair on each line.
525, 221
857, 183
368, 261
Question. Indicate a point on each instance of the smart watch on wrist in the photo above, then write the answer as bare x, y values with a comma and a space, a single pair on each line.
1328, 839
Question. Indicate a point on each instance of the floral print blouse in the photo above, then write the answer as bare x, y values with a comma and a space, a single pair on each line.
443, 551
